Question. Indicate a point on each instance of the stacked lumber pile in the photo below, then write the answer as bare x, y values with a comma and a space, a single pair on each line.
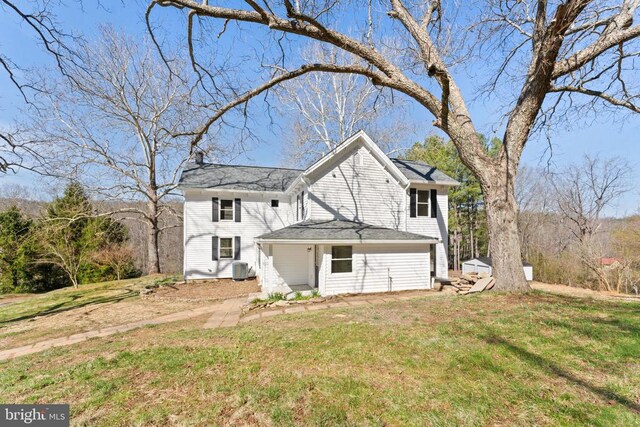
473, 282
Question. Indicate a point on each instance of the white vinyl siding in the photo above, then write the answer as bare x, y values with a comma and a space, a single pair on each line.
258, 217
434, 227
364, 193
379, 268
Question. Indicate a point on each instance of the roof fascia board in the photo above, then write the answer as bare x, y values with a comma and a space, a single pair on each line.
230, 190
426, 240
444, 184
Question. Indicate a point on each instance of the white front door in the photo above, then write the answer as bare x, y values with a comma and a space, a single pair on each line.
291, 263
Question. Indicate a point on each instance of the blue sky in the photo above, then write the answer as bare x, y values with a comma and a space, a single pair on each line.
569, 142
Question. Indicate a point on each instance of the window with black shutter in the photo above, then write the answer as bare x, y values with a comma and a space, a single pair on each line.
434, 203
423, 203
226, 210
237, 248
226, 248
238, 210
214, 209
214, 248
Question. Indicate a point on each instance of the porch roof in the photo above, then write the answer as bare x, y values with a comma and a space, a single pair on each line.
341, 231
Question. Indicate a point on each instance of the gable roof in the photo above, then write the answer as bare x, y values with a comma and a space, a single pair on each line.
258, 178
373, 148
487, 260
342, 231
232, 177
422, 172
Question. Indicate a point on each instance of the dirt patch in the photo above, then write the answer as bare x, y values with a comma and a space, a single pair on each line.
205, 290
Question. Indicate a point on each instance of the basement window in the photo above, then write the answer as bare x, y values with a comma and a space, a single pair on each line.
341, 259
423, 203
226, 248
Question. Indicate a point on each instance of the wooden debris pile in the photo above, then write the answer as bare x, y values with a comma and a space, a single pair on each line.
473, 282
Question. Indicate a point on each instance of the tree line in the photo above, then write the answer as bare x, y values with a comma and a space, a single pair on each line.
69, 244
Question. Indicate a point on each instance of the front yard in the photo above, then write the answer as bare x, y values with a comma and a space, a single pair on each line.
26, 319
443, 360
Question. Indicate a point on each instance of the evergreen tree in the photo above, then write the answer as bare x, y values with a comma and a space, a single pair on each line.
467, 219
71, 234
19, 267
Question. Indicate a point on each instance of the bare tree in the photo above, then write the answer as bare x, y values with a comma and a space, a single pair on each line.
325, 109
582, 193
118, 257
540, 48
39, 19
110, 126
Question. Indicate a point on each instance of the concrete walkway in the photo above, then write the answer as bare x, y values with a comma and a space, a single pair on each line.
228, 313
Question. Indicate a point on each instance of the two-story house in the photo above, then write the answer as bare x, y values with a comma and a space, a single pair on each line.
354, 221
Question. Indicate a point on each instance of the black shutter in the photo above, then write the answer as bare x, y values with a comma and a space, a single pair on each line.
238, 207
237, 248
434, 203
412, 202
302, 205
214, 248
214, 209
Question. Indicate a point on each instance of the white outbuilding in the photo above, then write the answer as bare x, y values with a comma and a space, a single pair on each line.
483, 264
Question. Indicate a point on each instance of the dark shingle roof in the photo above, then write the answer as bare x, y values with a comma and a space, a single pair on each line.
232, 177
336, 229
418, 171
487, 260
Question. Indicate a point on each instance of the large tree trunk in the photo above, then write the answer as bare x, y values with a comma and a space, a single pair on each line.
153, 246
153, 266
504, 241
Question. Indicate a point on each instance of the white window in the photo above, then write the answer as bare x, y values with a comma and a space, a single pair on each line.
226, 248
226, 210
423, 203
341, 259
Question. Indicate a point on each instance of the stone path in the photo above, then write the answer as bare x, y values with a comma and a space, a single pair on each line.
224, 314
228, 314
351, 301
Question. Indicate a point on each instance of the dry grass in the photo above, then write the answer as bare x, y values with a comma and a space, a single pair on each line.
63, 312
443, 360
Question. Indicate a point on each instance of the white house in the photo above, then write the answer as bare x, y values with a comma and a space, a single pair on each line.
354, 221
484, 264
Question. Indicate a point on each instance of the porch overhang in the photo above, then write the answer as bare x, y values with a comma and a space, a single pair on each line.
337, 232
426, 241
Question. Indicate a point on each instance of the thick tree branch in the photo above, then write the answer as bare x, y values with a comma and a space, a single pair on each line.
598, 94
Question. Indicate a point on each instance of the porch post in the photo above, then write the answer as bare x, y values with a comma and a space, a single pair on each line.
311, 265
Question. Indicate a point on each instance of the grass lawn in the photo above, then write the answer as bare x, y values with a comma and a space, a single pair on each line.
444, 360
32, 317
